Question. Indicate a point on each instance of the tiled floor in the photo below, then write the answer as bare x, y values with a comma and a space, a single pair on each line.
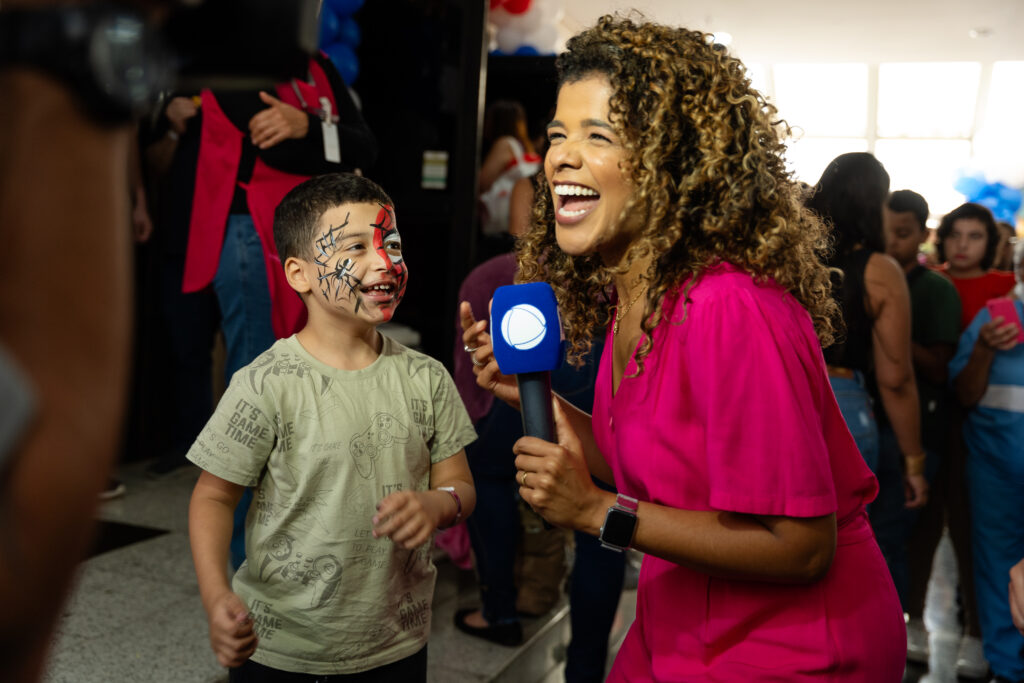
135, 614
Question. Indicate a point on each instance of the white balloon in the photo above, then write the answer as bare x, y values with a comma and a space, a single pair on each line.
543, 39
509, 39
529, 21
552, 10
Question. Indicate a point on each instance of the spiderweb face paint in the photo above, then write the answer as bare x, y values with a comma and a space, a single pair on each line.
338, 282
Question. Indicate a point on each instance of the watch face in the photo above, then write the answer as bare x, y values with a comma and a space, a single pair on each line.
618, 528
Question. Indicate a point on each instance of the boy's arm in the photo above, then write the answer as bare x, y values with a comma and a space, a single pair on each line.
410, 517
210, 520
453, 473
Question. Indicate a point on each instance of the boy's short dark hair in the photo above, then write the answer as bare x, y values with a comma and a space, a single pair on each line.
298, 214
977, 212
901, 201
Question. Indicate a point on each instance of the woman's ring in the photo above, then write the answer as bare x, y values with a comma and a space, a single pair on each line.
522, 480
476, 362
470, 349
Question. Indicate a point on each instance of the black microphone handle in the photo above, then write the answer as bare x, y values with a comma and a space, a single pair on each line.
535, 403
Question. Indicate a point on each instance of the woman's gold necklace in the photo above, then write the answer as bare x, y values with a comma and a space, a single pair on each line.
620, 313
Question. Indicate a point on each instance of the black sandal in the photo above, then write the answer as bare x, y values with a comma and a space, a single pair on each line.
510, 634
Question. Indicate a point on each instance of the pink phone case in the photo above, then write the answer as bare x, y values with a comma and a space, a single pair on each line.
1008, 310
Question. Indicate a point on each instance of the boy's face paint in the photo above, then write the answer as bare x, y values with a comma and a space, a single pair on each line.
388, 244
359, 264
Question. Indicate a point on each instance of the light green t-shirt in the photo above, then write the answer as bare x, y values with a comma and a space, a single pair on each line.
322, 447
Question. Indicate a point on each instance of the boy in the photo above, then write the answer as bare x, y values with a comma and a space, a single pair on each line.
906, 537
355, 447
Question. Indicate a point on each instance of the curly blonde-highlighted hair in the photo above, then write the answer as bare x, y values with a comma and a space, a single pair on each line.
705, 160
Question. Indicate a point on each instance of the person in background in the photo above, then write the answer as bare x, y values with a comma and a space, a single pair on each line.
669, 222
875, 304
934, 331
966, 243
987, 375
510, 157
1004, 252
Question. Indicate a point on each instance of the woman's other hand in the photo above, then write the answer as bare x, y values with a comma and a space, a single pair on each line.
477, 343
277, 123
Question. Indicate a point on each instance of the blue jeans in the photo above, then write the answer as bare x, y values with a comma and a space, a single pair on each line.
855, 405
891, 520
244, 298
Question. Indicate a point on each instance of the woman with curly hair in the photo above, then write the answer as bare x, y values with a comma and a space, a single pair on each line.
671, 224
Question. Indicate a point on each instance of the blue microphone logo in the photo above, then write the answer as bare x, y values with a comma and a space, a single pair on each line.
523, 326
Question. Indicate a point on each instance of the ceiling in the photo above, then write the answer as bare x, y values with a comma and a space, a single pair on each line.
872, 31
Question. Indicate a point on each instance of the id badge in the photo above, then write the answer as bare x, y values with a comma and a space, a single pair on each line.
332, 147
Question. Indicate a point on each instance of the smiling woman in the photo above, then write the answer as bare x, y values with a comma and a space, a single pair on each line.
666, 186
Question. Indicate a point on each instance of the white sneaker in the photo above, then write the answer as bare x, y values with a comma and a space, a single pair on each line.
970, 658
917, 641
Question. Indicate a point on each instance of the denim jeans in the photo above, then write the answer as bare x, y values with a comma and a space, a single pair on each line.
855, 405
891, 520
244, 298
243, 295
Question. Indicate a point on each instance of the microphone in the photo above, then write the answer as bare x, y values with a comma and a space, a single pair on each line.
526, 334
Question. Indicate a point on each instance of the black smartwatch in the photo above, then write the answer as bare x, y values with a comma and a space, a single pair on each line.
106, 54
619, 523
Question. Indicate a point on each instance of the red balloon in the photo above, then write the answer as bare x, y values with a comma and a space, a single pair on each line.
516, 6
495, 4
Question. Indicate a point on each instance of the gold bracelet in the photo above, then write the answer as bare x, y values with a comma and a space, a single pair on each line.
914, 464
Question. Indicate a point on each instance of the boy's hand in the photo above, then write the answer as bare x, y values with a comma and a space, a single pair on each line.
231, 633
409, 517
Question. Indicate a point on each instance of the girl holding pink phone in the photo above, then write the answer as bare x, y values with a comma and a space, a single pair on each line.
988, 377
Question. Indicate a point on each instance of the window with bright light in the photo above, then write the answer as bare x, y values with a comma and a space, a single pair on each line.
828, 100
928, 167
999, 144
927, 100
807, 157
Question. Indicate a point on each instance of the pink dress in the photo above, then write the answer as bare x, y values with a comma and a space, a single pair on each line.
734, 412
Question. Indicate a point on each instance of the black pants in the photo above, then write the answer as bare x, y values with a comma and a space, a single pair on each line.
412, 669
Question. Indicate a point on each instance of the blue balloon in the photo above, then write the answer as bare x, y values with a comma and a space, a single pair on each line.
349, 33
526, 51
1010, 197
345, 61
969, 185
329, 26
344, 8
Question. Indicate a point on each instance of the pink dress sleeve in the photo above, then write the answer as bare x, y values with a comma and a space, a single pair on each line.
758, 382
